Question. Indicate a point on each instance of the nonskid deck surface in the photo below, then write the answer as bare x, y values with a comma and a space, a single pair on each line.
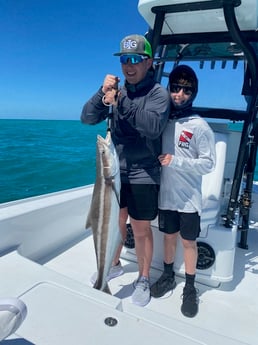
230, 310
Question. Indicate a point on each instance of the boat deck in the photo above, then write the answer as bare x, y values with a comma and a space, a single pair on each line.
60, 298
220, 309
50, 260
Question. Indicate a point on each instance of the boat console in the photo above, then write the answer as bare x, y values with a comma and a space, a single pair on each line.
224, 33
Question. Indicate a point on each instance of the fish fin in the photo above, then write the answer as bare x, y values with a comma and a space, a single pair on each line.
105, 289
88, 220
88, 223
115, 191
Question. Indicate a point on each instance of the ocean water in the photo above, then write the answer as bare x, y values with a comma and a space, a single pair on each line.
45, 156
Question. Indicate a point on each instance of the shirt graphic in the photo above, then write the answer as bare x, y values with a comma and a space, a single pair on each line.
184, 139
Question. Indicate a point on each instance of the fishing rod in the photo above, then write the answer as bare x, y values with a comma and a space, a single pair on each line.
111, 108
110, 114
129, 240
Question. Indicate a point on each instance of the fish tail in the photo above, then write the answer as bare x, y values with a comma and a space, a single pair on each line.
105, 289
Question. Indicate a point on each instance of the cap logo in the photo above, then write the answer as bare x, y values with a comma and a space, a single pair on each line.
129, 44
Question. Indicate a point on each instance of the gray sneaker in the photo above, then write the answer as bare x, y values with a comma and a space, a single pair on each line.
141, 295
115, 271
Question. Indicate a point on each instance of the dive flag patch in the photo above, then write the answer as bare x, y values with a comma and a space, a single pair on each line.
184, 139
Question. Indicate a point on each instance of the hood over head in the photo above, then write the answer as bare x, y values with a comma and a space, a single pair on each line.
185, 75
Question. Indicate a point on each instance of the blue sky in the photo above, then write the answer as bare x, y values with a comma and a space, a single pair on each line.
54, 55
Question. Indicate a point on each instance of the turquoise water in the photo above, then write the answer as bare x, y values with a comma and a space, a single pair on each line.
44, 156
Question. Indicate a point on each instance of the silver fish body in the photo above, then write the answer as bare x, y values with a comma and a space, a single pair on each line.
103, 217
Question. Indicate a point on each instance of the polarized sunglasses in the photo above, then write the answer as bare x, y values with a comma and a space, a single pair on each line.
133, 58
187, 90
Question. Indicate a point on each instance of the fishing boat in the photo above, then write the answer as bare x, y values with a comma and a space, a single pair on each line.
47, 255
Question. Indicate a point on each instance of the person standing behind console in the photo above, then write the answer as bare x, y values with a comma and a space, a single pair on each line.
188, 148
140, 113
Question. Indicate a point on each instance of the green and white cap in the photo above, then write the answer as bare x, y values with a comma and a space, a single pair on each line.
135, 44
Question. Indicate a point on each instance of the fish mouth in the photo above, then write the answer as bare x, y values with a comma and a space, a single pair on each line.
106, 140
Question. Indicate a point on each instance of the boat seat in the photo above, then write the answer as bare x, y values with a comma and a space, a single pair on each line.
212, 184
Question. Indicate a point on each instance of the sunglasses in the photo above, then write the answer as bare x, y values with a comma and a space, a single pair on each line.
187, 90
133, 58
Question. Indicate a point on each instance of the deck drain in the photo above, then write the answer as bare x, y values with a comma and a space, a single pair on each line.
111, 321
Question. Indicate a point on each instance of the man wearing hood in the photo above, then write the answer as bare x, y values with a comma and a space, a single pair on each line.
188, 152
140, 114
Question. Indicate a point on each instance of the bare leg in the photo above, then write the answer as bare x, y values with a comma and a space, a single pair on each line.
122, 224
166, 282
170, 241
143, 245
190, 256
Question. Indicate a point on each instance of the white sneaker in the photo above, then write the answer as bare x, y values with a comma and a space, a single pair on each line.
115, 271
141, 295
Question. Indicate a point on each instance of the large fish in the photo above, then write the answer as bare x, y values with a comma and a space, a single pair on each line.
103, 217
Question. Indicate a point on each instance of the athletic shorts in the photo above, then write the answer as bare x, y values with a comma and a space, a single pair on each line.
188, 224
140, 199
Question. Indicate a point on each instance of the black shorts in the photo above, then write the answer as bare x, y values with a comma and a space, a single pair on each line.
140, 199
188, 224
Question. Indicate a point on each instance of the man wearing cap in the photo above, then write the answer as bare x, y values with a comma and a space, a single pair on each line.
140, 114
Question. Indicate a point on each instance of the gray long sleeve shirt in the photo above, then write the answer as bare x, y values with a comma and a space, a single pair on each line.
191, 142
137, 123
